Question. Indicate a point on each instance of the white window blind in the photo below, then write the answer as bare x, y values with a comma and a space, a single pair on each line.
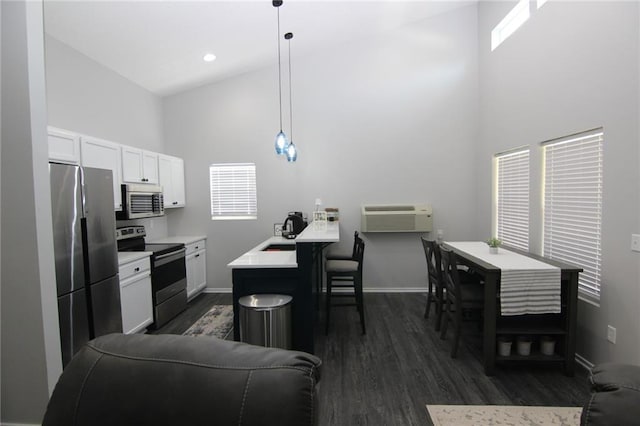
512, 197
573, 205
233, 191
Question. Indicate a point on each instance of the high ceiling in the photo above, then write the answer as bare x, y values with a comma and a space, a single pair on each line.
159, 45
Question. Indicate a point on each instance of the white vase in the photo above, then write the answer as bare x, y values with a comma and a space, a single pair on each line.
547, 346
504, 347
493, 250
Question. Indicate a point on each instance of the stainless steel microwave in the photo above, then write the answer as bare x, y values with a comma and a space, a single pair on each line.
140, 201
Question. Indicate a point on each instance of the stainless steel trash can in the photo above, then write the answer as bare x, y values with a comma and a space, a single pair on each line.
265, 320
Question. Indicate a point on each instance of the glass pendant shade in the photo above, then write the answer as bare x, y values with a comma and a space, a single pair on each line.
292, 152
281, 143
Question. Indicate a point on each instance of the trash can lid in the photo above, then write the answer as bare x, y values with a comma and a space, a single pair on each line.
265, 300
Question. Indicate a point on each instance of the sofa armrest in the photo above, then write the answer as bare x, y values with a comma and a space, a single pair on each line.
616, 396
169, 380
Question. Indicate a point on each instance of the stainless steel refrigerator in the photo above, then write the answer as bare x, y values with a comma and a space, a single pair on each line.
86, 257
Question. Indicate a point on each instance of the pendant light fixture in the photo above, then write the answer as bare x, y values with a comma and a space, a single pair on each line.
290, 150
281, 139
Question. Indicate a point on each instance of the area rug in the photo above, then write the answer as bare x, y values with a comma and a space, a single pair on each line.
503, 415
217, 322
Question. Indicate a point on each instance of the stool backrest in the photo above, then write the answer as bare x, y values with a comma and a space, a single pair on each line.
355, 242
358, 252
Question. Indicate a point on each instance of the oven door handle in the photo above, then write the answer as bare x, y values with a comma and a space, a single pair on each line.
169, 257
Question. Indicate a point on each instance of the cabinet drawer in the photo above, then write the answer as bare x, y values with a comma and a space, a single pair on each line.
139, 266
194, 247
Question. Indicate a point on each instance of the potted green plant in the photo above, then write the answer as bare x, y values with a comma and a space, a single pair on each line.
493, 244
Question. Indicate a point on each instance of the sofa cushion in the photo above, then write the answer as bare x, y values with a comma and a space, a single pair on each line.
171, 380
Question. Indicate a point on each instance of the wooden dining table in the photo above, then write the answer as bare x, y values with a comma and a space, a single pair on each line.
560, 326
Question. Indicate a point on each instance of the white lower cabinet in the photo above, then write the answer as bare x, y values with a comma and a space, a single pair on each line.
196, 262
135, 296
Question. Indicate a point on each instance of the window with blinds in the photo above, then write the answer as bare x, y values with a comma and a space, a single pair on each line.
573, 205
233, 191
512, 198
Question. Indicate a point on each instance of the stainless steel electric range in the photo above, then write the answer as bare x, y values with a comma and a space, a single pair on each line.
168, 272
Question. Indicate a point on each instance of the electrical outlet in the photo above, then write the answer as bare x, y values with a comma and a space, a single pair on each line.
611, 334
635, 242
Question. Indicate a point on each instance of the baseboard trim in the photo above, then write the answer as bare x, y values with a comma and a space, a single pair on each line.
365, 290
217, 290
19, 424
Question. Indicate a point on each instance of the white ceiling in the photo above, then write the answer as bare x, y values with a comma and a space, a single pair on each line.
159, 45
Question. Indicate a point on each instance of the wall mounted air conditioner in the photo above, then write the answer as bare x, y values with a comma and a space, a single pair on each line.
396, 218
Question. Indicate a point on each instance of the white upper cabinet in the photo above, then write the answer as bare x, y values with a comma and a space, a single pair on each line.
103, 154
64, 146
139, 166
171, 175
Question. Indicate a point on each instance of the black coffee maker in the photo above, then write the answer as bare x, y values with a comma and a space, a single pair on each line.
293, 225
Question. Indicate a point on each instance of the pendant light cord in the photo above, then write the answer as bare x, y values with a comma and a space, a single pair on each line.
279, 70
289, 36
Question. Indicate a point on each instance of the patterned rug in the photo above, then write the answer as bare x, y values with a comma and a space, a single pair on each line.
217, 322
503, 415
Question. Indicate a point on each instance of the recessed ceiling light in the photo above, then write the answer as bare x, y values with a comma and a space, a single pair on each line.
209, 57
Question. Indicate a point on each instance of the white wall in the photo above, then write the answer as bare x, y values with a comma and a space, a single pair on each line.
85, 97
386, 120
31, 360
573, 66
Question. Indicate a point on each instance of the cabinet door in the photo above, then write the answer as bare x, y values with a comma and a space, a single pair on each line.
164, 177
137, 308
132, 165
103, 154
177, 177
171, 177
64, 146
196, 273
200, 270
150, 167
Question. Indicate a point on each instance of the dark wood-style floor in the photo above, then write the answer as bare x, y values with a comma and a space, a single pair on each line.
388, 375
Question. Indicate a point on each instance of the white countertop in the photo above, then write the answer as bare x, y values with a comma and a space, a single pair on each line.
184, 239
256, 258
320, 232
316, 232
131, 256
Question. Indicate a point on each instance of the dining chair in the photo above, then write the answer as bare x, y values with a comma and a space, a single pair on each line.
458, 297
346, 274
434, 278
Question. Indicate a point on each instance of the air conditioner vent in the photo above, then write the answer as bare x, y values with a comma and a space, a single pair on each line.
389, 208
396, 218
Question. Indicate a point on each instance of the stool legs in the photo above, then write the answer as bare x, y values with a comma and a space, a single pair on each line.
357, 294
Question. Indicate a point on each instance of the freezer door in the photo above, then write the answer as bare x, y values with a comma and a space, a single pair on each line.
102, 253
106, 312
66, 208
74, 323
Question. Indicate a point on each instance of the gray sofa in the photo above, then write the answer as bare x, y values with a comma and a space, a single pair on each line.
615, 398
183, 380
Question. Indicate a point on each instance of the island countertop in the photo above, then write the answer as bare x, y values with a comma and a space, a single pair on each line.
257, 258
316, 232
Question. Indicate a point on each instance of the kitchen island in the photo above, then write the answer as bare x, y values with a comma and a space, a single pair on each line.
291, 267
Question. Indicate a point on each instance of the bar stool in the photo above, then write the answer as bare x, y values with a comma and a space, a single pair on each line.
346, 274
334, 255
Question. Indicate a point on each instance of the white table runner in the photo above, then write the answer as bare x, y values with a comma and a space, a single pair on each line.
527, 286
